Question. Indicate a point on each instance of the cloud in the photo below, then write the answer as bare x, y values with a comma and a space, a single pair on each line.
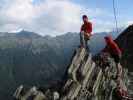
48, 17
130, 22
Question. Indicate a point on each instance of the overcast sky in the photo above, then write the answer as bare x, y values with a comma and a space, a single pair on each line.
56, 17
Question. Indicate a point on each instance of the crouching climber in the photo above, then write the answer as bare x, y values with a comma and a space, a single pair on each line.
115, 52
85, 32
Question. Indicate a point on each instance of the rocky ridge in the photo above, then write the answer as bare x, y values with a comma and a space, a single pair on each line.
87, 78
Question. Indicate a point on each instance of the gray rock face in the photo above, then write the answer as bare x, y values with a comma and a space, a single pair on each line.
130, 84
87, 80
125, 41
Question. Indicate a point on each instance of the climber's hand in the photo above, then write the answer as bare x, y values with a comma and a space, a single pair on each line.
82, 32
87, 35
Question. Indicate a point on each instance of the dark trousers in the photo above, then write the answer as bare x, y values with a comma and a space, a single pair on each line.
83, 40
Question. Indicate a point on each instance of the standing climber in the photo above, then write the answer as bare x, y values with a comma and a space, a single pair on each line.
85, 32
115, 52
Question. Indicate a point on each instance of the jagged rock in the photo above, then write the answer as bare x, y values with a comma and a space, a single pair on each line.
87, 80
125, 41
30, 94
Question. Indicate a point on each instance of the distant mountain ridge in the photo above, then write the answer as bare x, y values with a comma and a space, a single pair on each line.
22, 33
30, 59
26, 58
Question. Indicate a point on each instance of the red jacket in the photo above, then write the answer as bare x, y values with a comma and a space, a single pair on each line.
112, 47
87, 27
